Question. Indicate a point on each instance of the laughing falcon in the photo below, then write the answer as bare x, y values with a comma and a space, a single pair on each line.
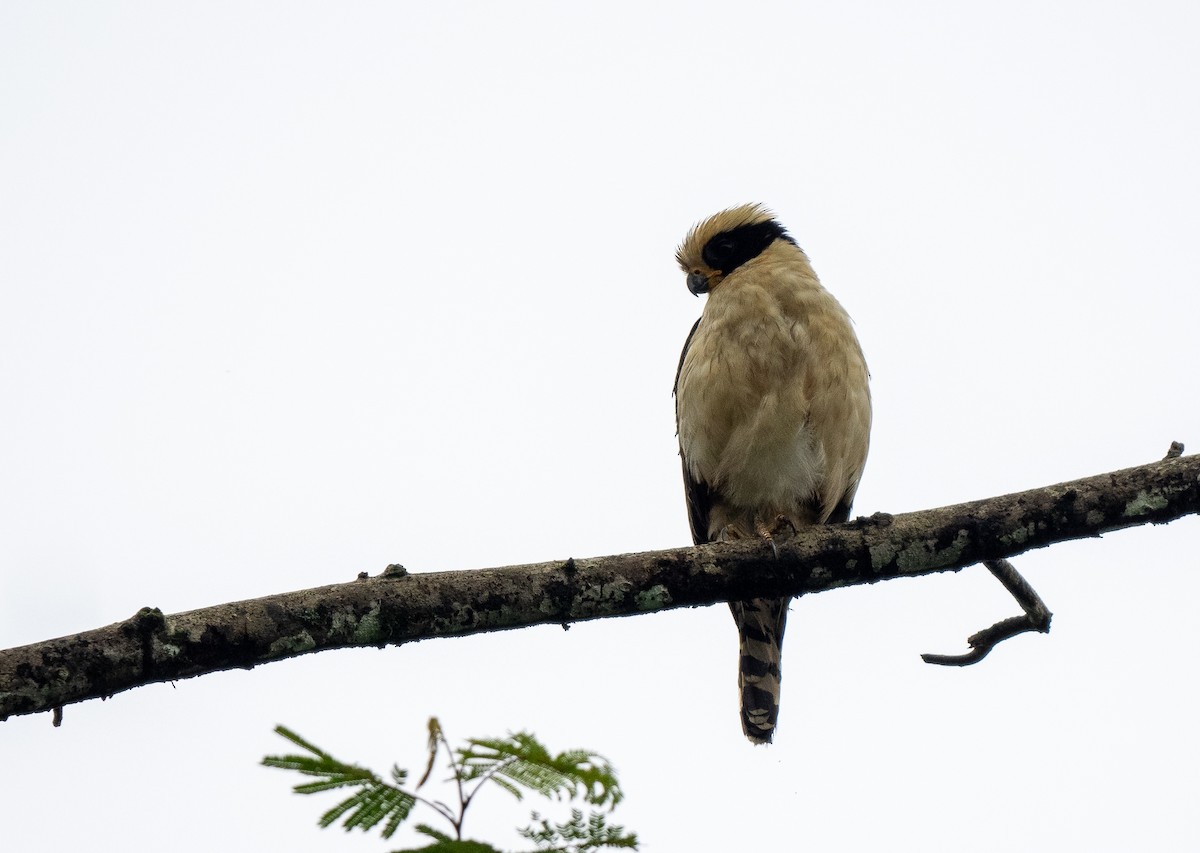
773, 414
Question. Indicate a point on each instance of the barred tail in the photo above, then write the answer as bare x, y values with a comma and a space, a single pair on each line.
760, 624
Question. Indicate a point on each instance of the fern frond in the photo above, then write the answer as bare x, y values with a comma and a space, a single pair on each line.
284, 731
443, 843
508, 786
517, 763
337, 774
577, 835
523, 760
373, 804
329, 784
375, 801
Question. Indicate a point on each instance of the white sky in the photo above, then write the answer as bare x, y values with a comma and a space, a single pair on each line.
292, 291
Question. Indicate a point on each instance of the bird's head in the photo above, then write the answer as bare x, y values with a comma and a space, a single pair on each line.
720, 244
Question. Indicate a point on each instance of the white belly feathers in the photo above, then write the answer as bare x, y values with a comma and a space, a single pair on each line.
743, 405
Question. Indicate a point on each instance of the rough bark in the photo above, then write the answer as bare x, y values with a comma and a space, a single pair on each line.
398, 607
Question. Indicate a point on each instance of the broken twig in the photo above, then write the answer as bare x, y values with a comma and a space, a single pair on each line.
1036, 618
1037, 615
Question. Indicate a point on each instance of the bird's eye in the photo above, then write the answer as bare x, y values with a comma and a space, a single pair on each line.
718, 252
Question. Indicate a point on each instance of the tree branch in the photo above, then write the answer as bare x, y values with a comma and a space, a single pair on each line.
397, 607
1036, 618
1037, 614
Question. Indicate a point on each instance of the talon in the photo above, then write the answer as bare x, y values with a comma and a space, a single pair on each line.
760, 528
785, 526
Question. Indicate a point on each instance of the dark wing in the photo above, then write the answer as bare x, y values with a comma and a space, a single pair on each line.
841, 513
697, 493
699, 500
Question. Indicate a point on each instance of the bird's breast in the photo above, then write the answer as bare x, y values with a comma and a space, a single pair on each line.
743, 406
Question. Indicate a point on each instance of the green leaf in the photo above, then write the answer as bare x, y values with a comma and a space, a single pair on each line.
578, 835
337, 774
443, 843
375, 801
523, 761
517, 764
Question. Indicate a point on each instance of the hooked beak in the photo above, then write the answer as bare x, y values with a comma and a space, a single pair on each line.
697, 283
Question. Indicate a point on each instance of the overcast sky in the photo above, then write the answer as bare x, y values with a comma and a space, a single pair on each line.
290, 291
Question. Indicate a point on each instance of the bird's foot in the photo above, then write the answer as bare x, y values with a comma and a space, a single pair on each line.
728, 533
760, 527
782, 529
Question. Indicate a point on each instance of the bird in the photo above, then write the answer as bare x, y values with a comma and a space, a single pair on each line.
773, 415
